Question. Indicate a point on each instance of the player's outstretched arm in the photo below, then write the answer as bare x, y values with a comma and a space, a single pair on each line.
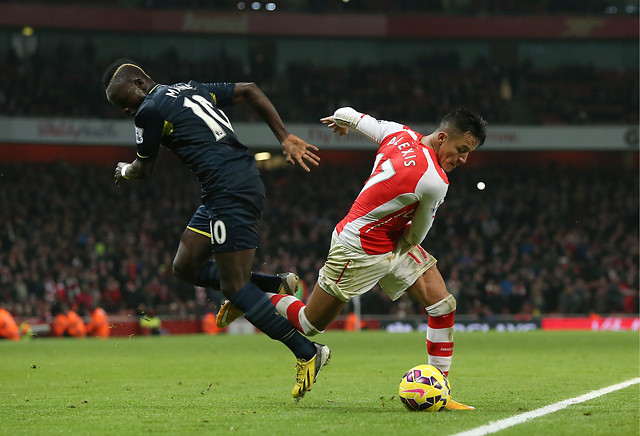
295, 150
331, 123
347, 118
136, 170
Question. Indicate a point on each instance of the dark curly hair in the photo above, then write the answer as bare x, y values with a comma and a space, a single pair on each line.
112, 68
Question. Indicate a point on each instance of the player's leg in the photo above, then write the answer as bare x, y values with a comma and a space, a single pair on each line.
430, 290
311, 318
343, 276
322, 308
235, 271
231, 222
193, 263
285, 284
281, 283
231, 271
414, 272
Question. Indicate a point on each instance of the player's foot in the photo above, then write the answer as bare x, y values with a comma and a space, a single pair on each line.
229, 313
289, 284
454, 405
307, 370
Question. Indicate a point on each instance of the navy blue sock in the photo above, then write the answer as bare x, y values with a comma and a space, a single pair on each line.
259, 311
209, 275
266, 283
210, 278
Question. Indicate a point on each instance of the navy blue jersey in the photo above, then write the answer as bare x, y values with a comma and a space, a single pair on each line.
186, 118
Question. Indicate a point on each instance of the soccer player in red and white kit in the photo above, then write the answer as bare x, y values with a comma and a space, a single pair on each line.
378, 241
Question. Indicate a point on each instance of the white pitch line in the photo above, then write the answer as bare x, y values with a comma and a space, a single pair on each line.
496, 426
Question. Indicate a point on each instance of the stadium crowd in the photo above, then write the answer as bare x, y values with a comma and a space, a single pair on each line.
65, 82
538, 239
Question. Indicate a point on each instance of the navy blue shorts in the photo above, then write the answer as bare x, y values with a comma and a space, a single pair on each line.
230, 218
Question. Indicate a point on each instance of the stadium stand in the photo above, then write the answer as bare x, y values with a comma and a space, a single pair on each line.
64, 83
542, 238
537, 240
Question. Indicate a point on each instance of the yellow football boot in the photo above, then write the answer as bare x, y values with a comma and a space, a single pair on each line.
307, 370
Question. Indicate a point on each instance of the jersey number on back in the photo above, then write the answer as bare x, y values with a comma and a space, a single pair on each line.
204, 110
386, 172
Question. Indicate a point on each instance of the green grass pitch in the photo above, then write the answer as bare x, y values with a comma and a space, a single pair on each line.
241, 385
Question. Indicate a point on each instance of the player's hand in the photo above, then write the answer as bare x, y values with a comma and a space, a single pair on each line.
296, 150
329, 121
117, 177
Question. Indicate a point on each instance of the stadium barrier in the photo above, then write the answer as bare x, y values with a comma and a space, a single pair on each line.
516, 324
126, 326
595, 323
25, 132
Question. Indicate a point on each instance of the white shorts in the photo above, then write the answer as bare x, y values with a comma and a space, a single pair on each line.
348, 273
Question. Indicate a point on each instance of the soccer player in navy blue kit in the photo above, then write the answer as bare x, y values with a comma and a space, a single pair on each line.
187, 119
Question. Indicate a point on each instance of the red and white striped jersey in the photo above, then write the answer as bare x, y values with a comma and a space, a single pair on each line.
400, 198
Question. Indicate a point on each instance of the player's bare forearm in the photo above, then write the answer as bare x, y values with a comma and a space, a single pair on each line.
253, 95
135, 170
295, 150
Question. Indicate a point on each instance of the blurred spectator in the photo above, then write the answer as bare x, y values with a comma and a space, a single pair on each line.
99, 326
209, 324
8, 327
150, 323
67, 322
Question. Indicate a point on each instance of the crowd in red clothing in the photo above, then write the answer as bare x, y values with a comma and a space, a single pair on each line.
536, 240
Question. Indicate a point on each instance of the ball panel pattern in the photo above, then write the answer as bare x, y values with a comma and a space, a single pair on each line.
424, 387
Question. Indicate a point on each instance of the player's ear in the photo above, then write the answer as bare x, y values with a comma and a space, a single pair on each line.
442, 136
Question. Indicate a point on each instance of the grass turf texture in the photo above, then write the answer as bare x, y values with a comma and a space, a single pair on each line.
225, 384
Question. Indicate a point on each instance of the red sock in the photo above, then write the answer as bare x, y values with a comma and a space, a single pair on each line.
289, 307
440, 333
440, 341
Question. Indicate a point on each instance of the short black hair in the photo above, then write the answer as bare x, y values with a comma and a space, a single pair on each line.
464, 120
112, 68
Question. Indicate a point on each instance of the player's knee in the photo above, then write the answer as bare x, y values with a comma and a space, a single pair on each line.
451, 301
442, 307
181, 270
448, 304
311, 331
177, 272
307, 328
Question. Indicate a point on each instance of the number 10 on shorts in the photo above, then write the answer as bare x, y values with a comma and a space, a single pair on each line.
218, 232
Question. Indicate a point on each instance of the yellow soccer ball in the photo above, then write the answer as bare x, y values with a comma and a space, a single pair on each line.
424, 387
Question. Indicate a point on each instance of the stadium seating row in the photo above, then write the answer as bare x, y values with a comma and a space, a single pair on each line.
66, 83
